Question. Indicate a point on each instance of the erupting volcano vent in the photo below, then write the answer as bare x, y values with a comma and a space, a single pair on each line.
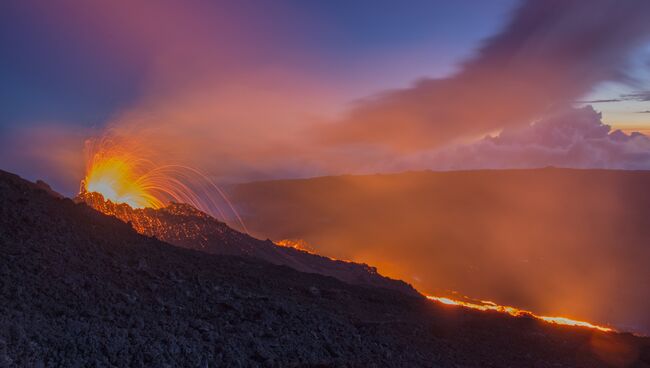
116, 169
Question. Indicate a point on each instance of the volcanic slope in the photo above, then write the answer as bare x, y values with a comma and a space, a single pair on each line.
79, 288
185, 226
554, 241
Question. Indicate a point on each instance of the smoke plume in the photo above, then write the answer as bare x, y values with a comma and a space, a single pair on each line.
576, 138
549, 54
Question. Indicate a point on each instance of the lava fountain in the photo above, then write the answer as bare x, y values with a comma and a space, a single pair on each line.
117, 169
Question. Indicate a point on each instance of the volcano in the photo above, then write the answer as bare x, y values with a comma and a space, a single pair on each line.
81, 287
185, 226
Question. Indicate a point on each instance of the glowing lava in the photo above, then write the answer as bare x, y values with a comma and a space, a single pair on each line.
481, 305
485, 305
296, 244
119, 180
121, 176
116, 170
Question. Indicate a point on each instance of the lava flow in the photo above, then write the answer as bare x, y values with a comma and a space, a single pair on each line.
481, 305
121, 176
298, 244
485, 305
118, 171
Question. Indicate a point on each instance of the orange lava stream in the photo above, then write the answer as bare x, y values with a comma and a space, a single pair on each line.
485, 305
296, 244
481, 305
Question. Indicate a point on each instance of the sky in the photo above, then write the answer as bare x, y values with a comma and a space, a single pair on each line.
254, 90
56, 67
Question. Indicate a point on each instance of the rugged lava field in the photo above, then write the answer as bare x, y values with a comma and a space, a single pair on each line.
79, 288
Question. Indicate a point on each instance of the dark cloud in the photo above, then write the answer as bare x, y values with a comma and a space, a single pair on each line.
641, 96
600, 101
549, 54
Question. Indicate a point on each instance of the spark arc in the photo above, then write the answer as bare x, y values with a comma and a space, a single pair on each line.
119, 170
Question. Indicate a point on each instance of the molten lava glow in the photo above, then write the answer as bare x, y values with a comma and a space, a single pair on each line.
295, 244
116, 170
485, 305
482, 305
117, 179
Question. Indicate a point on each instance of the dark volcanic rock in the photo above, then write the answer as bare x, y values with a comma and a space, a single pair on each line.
78, 288
185, 226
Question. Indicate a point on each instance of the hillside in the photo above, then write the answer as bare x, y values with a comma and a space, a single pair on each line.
82, 288
184, 226
554, 241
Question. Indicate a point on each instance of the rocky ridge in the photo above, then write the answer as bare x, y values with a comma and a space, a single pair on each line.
185, 226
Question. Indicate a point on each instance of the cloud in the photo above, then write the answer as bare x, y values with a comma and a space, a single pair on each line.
576, 138
224, 90
639, 96
548, 55
245, 103
600, 101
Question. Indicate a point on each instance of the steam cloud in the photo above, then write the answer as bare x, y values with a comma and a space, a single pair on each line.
240, 111
576, 138
550, 54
